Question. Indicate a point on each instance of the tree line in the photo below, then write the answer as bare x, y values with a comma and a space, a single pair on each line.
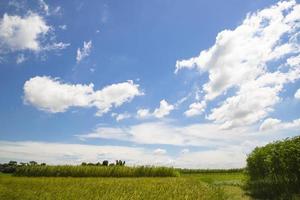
12, 166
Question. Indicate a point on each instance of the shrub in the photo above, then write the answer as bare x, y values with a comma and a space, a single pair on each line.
198, 171
274, 170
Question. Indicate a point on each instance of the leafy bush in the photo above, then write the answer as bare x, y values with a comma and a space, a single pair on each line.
205, 171
274, 170
95, 171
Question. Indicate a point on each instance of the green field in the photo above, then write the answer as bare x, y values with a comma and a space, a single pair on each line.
194, 186
95, 171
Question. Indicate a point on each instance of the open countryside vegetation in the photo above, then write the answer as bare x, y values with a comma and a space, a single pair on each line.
150, 100
183, 187
272, 172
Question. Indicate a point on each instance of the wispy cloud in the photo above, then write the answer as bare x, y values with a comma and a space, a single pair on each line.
84, 52
20, 58
63, 153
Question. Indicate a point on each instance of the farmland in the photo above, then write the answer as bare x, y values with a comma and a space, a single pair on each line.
272, 172
95, 171
188, 186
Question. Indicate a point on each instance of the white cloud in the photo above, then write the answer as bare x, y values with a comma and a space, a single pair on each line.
44, 6
30, 32
56, 46
63, 27
121, 116
254, 100
159, 151
184, 151
294, 61
163, 110
54, 96
84, 52
206, 135
22, 33
20, 58
297, 94
230, 157
195, 109
269, 123
276, 124
240, 59
63, 153
224, 148
47, 9
143, 113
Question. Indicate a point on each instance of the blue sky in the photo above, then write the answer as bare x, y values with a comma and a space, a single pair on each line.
183, 83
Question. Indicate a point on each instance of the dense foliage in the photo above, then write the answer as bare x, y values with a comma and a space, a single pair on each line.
12, 166
95, 171
199, 171
274, 170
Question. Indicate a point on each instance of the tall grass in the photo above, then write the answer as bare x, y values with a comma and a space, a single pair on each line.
95, 171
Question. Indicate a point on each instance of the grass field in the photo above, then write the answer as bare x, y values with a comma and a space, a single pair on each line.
196, 186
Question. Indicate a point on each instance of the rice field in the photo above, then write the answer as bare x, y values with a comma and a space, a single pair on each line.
195, 186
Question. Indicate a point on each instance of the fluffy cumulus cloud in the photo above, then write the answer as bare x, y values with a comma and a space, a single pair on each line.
22, 33
143, 113
29, 32
271, 124
163, 110
243, 59
120, 116
196, 108
84, 51
52, 95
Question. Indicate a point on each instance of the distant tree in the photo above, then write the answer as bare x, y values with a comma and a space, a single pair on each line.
105, 163
13, 163
9, 167
120, 162
83, 163
98, 164
112, 164
33, 163
90, 164
43, 164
